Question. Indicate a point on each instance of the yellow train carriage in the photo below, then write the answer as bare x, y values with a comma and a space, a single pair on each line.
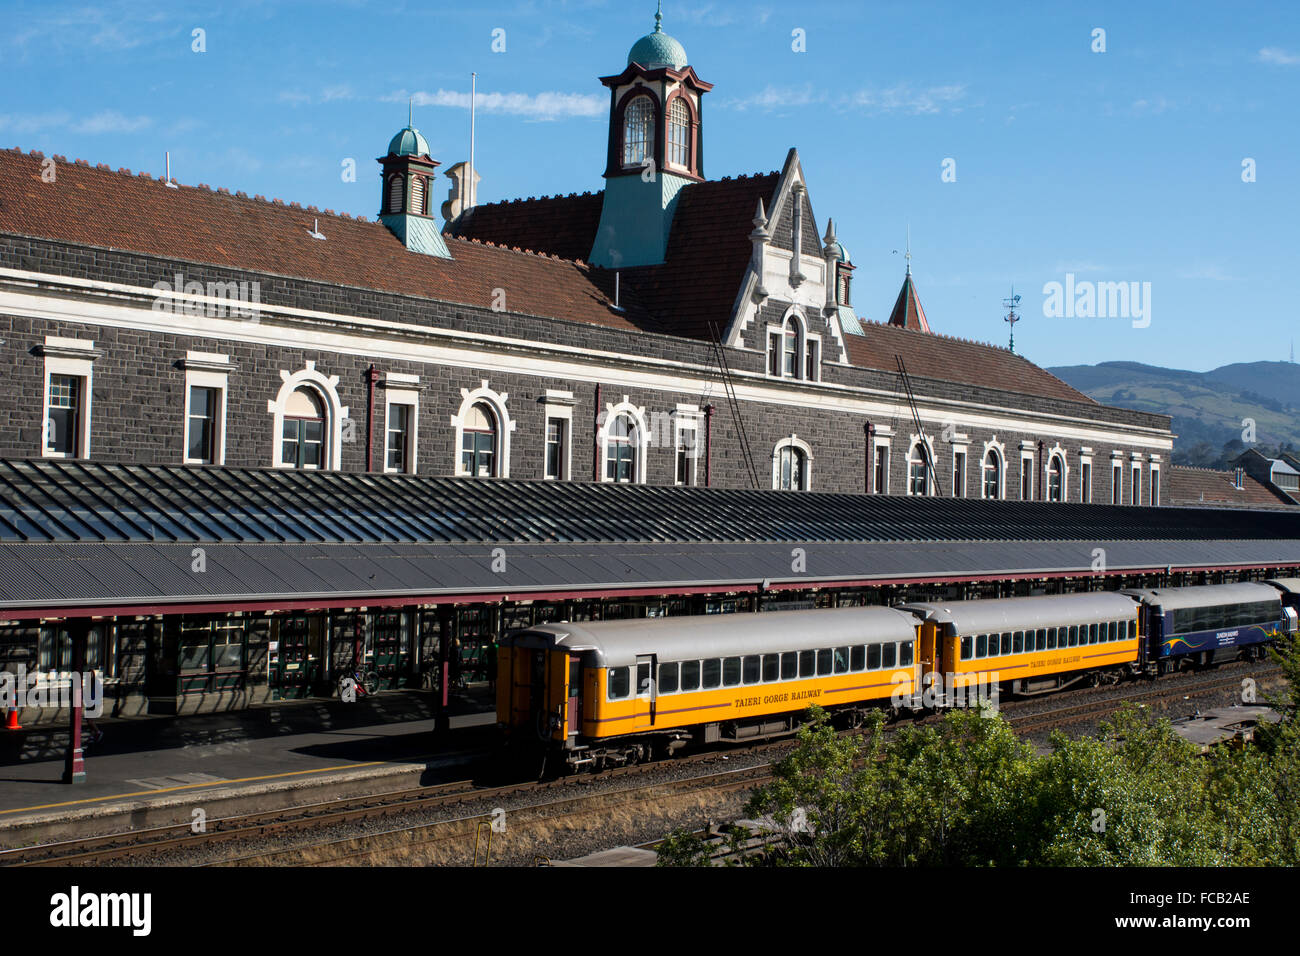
1027, 645
617, 691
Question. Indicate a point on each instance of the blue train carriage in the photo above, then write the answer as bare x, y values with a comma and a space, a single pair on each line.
1026, 645
1208, 624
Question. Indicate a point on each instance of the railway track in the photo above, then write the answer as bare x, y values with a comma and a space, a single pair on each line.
145, 846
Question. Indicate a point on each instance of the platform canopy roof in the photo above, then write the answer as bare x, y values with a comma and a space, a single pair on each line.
120, 538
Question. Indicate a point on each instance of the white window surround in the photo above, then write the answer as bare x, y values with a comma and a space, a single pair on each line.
496, 401
1154, 484
76, 357
801, 358
1085, 459
206, 370
559, 405
794, 441
689, 418
1001, 449
912, 442
959, 479
878, 442
1027, 467
1059, 452
637, 415
326, 388
403, 389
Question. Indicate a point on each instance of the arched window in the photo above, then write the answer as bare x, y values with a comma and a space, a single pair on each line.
302, 436
918, 470
679, 133
622, 443
992, 474
478, 445
396, 193
1055, 478
638, 131
418, 195
792, 469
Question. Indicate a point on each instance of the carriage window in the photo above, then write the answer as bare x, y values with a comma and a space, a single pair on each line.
730, 671
1113, 627
789, 665
1018, 642
889, 655
691, 675
1132, 630
905, 654
859, 658
841, 660
982, 645
1051, 638
873, 657
771, 667
711, 672
1074, 635
825, 659
753, 670
807, 663
1092, 633
965, 647
1006, 643
619, 683
1040, 640
668, 678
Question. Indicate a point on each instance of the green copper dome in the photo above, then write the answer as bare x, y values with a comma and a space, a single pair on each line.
408, 142
841, 253
658, 49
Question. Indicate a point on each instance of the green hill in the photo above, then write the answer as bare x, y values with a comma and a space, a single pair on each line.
1207, 408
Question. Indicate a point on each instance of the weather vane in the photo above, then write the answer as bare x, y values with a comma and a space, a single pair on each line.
1012, 317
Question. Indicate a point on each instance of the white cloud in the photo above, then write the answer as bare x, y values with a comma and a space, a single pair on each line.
32, 122
539, 106
1277, 56
111, 121
1207, 272
1156, 104
903, 99
777, 98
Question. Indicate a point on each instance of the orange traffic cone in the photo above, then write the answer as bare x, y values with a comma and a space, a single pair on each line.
11, 723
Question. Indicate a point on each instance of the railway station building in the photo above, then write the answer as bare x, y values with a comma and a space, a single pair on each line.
274, 392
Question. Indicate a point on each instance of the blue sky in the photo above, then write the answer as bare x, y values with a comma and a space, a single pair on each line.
1115, 166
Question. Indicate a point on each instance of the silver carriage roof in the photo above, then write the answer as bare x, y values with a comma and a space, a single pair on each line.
698, 636
1026, 613
1205, 595
1289, 585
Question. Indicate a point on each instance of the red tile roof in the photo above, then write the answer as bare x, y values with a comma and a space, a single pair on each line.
563, 226
907, 313
708, 246
708, 253
954, 360
1194, 486
98, 207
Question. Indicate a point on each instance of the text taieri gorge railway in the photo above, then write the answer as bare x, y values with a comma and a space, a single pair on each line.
615, 692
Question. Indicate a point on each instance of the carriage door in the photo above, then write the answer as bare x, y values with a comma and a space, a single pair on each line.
645, 690
574, 709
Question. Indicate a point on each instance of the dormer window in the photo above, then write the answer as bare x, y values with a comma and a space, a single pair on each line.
419, 198
639, 131
396, 194
843, 279
792, 341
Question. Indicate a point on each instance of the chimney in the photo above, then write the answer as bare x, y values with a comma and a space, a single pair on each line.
461, 196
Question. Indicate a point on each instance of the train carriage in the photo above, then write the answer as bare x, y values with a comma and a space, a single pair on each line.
1209, 623
610, 692
1028, 645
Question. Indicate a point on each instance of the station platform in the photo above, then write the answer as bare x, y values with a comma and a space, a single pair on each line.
151, 771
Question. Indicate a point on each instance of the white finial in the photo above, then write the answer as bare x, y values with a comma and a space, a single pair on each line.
830, 231
659, 17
